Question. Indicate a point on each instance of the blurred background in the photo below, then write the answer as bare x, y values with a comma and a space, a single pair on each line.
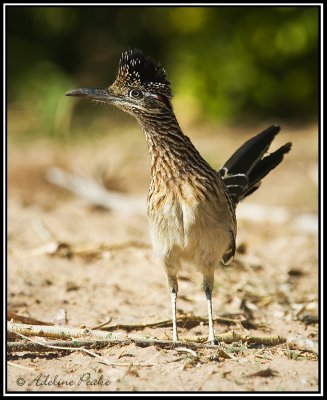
234, 71
227, 65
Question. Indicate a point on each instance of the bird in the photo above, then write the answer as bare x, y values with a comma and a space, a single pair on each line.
190, 205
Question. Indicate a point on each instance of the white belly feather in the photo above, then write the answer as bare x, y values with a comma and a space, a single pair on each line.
190, 229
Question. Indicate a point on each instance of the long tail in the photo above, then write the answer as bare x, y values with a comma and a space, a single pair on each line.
244, 170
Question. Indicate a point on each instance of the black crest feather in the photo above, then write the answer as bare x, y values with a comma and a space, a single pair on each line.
137, 68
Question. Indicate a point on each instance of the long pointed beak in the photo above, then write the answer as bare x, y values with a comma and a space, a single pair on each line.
94, 94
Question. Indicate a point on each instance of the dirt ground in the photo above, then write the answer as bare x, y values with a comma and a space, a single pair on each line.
272, 284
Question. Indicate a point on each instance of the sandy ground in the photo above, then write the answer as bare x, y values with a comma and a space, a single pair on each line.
273, 282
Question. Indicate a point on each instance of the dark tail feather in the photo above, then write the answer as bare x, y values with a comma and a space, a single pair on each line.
244, 159
245, 169
264, 166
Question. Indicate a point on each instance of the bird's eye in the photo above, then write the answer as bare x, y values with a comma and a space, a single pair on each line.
136, 93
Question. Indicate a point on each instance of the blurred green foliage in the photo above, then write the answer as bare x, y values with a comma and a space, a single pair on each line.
225, 63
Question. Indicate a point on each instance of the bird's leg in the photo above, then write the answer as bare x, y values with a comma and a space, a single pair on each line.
173, 285
207, 286
211, 337
173, 298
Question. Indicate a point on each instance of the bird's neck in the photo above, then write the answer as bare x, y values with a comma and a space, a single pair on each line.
172, 153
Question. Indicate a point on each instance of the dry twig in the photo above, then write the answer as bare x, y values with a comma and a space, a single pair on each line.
94, 192
11, 316
79, 348
84, 250
100, 339
57, 332
184, 321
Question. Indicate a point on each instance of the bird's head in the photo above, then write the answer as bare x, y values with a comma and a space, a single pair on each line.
141, 86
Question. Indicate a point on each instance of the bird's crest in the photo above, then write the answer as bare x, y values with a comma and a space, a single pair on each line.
135, 68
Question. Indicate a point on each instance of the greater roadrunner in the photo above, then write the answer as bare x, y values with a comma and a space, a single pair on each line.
191, 206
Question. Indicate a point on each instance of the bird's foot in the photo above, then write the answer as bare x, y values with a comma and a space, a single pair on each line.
213, 341
175, 339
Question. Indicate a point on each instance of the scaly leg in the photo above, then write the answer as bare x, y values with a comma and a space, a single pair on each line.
173, 298
173, 286
211, 337
208, 280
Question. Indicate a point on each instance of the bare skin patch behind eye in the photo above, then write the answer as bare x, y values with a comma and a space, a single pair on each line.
164, 100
